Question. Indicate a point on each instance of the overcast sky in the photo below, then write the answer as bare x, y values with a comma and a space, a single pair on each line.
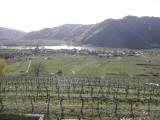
30, 15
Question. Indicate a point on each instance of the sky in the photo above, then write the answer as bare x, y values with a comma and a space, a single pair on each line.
31, 15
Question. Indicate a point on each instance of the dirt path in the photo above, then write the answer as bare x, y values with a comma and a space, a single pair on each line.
30, 61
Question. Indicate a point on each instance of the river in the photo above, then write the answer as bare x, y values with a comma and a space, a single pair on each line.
42, 47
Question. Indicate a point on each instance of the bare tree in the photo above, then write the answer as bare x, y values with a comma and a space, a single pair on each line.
82, 107
1, 104
61, 108
37, 69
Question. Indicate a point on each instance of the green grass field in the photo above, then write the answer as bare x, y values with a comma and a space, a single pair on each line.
90, 65
43, 94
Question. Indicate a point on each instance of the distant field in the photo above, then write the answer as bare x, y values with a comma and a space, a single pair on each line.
91, 65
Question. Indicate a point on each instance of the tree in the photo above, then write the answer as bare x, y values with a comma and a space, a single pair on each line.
3, 65
37, 69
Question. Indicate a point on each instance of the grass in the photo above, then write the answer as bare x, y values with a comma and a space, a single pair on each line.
19, 100
90, 65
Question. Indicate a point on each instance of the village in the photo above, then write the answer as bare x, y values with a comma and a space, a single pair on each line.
7, 55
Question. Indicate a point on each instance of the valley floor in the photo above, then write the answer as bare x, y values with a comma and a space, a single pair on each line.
89, 87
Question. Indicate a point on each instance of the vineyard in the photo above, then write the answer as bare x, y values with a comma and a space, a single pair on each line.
81, 97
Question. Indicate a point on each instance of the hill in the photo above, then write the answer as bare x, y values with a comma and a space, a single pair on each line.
64, 32
129, 32
6, 33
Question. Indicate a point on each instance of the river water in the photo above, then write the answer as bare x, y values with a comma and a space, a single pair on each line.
42, 47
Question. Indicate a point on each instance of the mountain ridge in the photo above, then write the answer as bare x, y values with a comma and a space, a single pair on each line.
7, 33
129, 32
